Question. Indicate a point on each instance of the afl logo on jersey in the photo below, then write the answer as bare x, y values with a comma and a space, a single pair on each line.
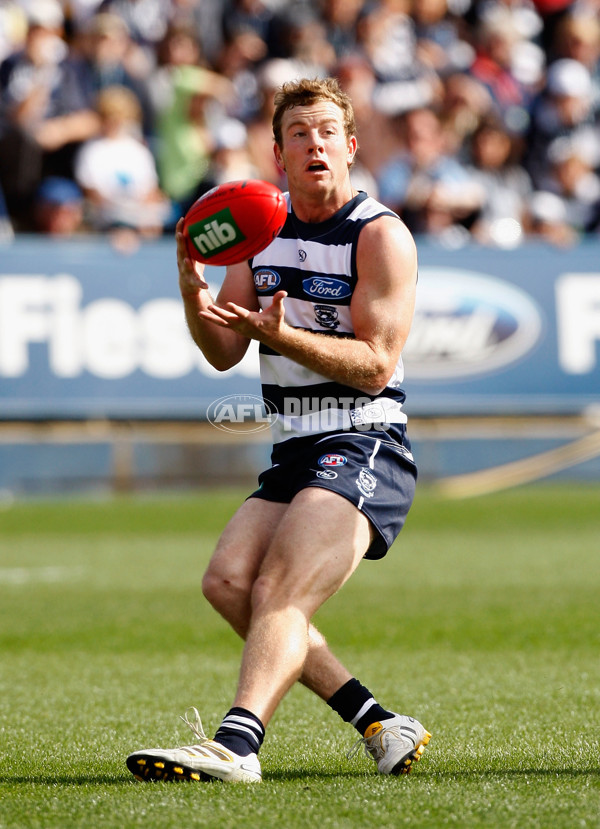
332, 459
266, 280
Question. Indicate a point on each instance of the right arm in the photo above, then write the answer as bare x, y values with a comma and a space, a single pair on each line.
222, 347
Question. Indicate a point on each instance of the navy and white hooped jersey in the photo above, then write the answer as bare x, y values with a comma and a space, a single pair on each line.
316, 265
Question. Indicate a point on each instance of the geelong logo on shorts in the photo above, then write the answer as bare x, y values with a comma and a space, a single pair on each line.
216, 233
266, 279
366, 482
332, 459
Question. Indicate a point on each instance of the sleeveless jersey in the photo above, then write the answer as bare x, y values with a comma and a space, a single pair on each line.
316, 264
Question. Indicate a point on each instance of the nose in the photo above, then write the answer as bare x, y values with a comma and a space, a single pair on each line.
315, 144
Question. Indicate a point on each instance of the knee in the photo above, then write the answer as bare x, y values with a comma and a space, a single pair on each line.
265, 591
222, 587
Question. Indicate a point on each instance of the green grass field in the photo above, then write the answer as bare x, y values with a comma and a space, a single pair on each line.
483, 622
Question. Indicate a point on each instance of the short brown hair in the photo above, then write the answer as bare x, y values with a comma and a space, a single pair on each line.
308, 91
120, 103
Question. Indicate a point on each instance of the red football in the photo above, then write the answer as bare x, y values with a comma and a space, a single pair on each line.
234, 221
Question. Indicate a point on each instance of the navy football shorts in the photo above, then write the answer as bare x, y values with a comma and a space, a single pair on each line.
374, 470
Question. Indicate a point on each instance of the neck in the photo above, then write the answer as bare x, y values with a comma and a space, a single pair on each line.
320, 209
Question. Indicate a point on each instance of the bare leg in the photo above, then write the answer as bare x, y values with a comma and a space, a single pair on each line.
231, 574
302, 568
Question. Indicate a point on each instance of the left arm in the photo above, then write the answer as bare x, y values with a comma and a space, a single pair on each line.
381, 308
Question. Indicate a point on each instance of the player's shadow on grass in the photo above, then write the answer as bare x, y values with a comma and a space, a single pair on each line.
296, 775
432, 775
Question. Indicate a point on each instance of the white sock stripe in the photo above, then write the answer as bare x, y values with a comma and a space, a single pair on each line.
243, 728
235, 720
368, 704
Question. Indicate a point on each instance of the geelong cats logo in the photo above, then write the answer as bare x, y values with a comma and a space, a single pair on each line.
326, 316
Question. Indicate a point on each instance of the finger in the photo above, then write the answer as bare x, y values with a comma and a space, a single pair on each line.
238, 310
198, 269
278, 300
231, 314
206, 315
191, 270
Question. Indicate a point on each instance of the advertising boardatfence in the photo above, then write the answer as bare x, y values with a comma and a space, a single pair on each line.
86, 332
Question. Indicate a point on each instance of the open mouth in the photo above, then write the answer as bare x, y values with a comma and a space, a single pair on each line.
316, 167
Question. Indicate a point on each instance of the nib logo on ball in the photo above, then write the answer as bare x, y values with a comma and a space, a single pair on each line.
216, 233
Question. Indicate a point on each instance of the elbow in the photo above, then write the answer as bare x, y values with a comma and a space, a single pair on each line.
378, 381
373, 389
221, 364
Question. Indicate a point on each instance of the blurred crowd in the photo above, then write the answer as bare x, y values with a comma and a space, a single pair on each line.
478, 120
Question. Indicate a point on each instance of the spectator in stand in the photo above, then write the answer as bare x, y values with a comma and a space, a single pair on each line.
80, 12
230, 160
342, 20
306, 42
522, 14
577, 36
58, 209
271, 75
147, 22
505, 184
117, 173
387, 41
378, 136
105, 57
43, 116
464, 104
242, 54
179, 47
439, 40
547, 220
13, 28
206, 18
573, 178
427, 187
498, 40
185, 131
386, 37
254, 16
195, 64
564, 109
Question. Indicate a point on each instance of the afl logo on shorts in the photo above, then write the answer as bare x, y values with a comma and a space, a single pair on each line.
332, 460
266, 280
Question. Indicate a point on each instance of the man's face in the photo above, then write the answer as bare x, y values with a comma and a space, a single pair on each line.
315, 153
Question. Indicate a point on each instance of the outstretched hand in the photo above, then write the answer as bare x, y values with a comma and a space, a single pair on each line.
264, 326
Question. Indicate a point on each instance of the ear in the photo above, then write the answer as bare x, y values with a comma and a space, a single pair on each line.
352, 148
278, 157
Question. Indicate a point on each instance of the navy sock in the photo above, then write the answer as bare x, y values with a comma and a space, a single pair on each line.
241, 732
355, 704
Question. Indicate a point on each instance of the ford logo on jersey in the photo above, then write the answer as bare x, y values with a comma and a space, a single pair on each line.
332, 459
266, 280
326, 287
